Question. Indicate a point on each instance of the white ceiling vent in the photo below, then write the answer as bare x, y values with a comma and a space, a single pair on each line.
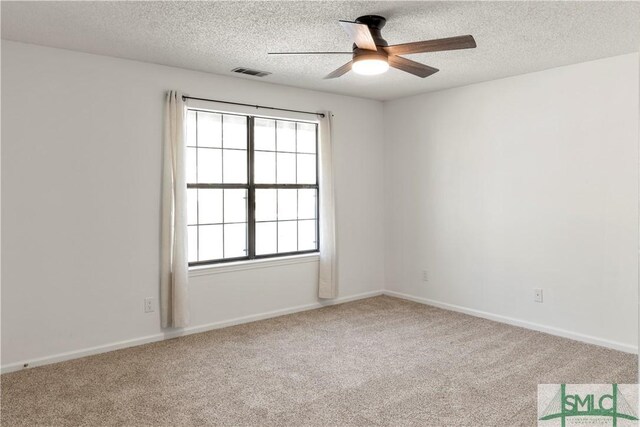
250, 72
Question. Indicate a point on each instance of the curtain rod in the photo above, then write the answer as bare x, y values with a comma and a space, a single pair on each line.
251, 105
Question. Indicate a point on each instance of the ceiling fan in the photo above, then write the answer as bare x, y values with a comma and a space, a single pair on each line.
373, 55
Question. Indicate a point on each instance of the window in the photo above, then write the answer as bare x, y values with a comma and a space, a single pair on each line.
252, 187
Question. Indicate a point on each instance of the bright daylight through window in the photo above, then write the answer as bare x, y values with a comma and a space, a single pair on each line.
252, 187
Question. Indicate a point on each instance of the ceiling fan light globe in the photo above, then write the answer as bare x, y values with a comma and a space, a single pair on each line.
370, 67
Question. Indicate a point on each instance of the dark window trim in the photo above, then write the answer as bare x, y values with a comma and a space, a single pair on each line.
251, 186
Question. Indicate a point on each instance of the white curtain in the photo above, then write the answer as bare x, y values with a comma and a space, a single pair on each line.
328, 269
174, 267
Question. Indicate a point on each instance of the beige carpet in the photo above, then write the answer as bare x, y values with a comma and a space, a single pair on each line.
380, 361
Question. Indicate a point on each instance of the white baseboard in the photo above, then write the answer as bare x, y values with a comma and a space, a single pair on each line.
12, 367
627, 348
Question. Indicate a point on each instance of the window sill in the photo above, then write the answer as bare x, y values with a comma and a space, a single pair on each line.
206, 270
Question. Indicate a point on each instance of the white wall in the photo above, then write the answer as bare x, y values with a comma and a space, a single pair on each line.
526, 182
81, 170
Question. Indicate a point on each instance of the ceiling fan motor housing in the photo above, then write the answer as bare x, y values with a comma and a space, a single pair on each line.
375, 24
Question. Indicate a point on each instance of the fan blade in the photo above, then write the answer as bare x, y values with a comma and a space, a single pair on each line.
413, 67
451, 43
340, 71
310, 53
360, 35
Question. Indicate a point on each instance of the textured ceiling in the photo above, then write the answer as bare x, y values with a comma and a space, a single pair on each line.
512, 37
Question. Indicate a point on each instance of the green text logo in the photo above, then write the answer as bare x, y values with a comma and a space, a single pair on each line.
586, 401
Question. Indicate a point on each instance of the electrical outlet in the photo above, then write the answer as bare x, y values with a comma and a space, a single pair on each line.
148, 305
537, 295
425, 276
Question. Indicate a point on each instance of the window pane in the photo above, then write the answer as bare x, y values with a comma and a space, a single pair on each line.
287, 204
286, 136
266, 208
191, 128
235, 240
286, 168
265, 168
306, 235
235, 205
306, 142
264, 134
285, 153
287, 236
210, 206
235, 166
210, 242
192, 243
307, 204
191, 166
209, 166
266, 238
192, 206
209, 130
306, 169
234, 130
